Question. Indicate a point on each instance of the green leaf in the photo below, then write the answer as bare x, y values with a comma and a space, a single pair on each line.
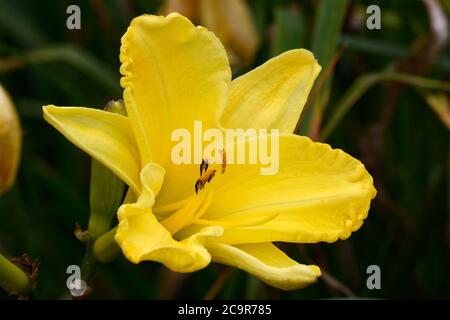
327, 29
289, 32
325, 40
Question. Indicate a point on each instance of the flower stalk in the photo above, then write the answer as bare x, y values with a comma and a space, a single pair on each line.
106, 196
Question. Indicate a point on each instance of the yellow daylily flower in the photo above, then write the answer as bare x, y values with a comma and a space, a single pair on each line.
10, 141
175, 73
230, 20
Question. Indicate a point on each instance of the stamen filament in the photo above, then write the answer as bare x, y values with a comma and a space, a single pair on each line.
194, 209
176, 221
171, 206
205, 204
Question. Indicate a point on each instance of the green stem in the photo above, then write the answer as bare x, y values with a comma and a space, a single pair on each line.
12, 278
364, 83
374, 47
71, 55
89, 264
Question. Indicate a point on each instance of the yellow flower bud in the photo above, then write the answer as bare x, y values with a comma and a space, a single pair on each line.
230, 20
10, 141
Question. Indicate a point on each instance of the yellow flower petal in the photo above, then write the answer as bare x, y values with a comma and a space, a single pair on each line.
267, 262
142, 237
173, 73
10, 141
105, 136
272, 95
318, 194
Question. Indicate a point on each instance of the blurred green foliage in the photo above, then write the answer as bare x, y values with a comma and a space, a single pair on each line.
388, 126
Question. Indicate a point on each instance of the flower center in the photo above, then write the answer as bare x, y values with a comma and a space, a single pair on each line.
185, 217
178, 215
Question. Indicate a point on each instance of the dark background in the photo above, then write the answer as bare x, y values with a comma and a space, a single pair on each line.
390, 127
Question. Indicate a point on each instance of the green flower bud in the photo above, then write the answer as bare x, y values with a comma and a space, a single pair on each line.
12, 278
107, 190
105, 247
